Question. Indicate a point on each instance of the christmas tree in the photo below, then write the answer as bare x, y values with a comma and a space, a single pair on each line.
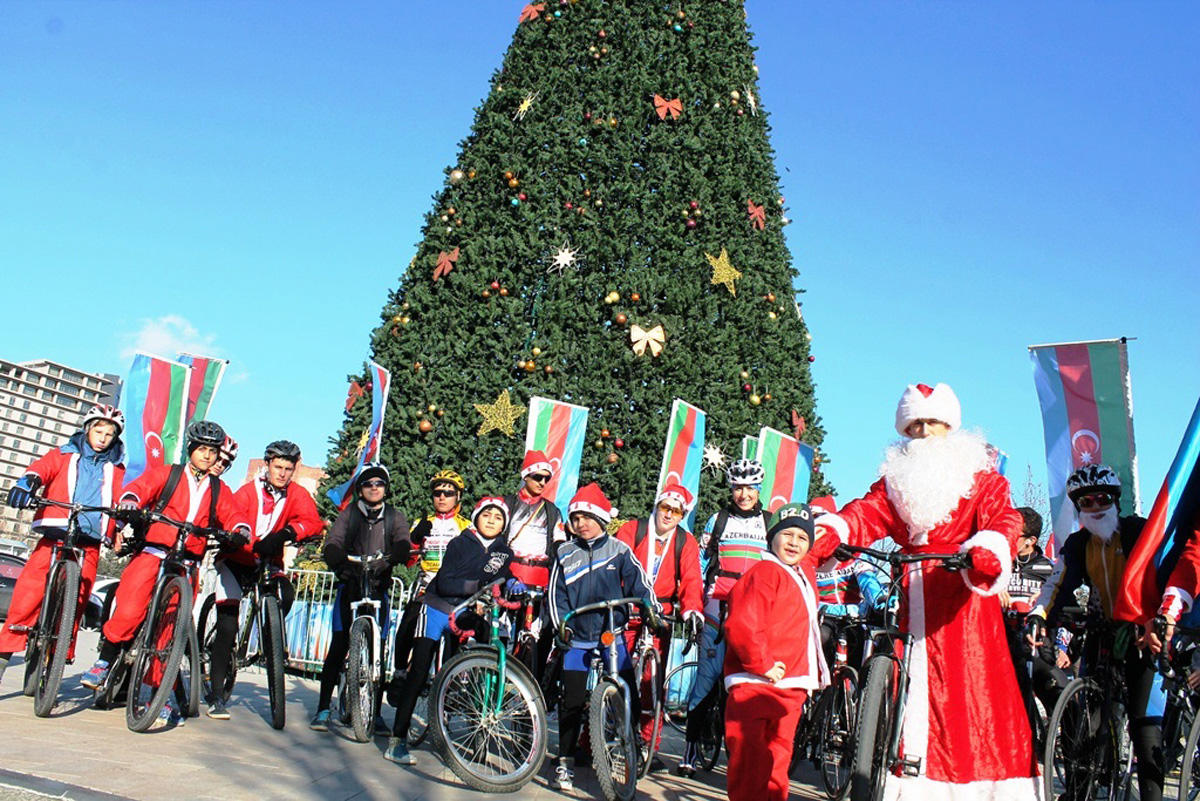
611, 235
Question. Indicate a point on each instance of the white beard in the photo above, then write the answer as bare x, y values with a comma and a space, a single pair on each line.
927, 478
1101, 524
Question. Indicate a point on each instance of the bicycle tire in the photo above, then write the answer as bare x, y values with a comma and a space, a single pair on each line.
1189, 771
614, 749
469, 738
812, 716
360, 689
646, 668
675, 713
162, 637
63, 597
873, 733
712, 734
835, 743
188, 684
276, 660
1088, 733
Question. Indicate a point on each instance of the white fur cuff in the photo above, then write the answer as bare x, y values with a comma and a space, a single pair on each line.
997, 543
1176, 602
836, 523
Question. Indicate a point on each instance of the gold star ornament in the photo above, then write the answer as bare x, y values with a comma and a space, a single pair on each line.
723, 272
499, 415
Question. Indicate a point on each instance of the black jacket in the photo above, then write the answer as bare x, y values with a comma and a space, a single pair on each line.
357, 533
466, 566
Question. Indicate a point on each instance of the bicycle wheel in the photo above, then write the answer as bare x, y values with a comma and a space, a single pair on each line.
55, 633
614, 749
159, 650
835, 744
360, 689
646, 668
188, 684
1189, 772
712, 734
1080, 738
874, 731
677, 691
272, 647
812, 717
493, 746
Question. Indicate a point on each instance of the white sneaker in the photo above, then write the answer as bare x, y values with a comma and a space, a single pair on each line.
562, 778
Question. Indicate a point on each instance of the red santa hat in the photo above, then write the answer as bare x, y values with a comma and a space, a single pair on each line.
490, 502
923, 402
536, 462
590, 500
677, 495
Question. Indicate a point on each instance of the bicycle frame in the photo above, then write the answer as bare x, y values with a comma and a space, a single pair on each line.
494, 686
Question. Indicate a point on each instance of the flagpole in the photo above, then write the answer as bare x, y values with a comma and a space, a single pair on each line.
1083, 342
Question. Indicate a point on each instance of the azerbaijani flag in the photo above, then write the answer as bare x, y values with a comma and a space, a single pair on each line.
1164, 535
155, 406
203, 383
1087, 416
683, 455
749, 447
558, 430
368, 449
788, 465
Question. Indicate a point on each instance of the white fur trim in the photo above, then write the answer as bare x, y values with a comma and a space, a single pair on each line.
535, 467
835, 522
788, 683
915, 731
1176, 602
604, 515
942, 404
997, 543
675, 498
922, 788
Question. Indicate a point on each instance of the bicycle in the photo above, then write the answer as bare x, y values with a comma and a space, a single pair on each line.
367, 661
1181, 723
615, 750
260, 639
489, 718
49, 640
885, 689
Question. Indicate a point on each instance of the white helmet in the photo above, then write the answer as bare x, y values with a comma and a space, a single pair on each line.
745, 471
109, 413
1093, 478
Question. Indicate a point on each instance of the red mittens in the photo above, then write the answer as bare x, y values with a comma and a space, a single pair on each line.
985, 567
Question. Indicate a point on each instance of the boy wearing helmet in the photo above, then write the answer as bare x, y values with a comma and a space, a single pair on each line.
88, 469
225, 456
182, 492
279, 511
368, 526
475, 558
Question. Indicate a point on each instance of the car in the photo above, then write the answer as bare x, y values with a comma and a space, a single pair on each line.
93, 613
11, 566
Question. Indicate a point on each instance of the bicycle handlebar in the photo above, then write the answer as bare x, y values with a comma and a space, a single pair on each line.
951, 561
600, 606
74, 507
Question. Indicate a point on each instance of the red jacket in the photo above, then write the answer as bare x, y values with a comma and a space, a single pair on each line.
58, 472
773, 617
1184, 584
189, 503
297, 509
691, 586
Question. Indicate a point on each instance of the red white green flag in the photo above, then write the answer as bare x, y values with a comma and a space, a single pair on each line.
202, 384
558, 430
787, 463
683, 456
155, 406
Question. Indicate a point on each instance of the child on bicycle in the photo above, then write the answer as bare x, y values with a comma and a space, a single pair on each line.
472, 560
87, 470
369, 525
773, 658
590, 567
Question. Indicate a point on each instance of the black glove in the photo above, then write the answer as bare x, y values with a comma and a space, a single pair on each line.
272, 544
1035, 627
380, 569
693, 626
235, 541
349, 572
289, 533
128, 512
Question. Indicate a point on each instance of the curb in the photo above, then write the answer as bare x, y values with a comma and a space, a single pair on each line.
57, 789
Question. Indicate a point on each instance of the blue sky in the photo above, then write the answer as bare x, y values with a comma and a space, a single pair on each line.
966, 179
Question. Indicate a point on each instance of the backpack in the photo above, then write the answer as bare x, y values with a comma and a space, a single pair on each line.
164, 497
643, 529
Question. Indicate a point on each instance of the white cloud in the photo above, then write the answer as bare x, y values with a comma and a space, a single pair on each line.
168, 336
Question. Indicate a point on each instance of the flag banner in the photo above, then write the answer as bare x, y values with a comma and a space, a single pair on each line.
749, 447
558, 430
1087, 416
788, 465
202, 384
1166, 532
683, 456
155, 406
368, 447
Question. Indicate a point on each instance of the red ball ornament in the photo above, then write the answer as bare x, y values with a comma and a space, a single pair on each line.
601, 33
812, 358
568, 205
746, 387
605, 433
425, 426
693, 205
620, 443
521, 196
691, 224
587, 115
495, 285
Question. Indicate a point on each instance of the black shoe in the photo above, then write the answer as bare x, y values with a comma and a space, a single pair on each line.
216, 708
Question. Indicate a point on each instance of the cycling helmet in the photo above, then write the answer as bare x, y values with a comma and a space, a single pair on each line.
204, 432
448, 477
229, 450
282, 449
1093, 478
372, 470
745, 471
110, 413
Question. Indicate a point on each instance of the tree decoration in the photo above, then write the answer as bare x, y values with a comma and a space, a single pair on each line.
723, 271
456, 176
714, 458
641, 339
564, 258
356, 391
531, 11
522, 110
665, 108
500, 415
445, 263
758, 215
798, 424
750, 101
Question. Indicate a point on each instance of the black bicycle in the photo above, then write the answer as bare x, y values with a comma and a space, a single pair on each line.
1181, 723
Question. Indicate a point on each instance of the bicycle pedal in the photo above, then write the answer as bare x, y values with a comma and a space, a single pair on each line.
910, 766
19, 629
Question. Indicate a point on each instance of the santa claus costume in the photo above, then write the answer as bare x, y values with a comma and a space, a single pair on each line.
965, 726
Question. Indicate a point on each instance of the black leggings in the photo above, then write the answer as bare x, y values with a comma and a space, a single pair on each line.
574, 703
1145, 732
696, 717
423, 652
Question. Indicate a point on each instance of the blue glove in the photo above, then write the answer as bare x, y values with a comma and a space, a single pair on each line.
514, 587
20, 496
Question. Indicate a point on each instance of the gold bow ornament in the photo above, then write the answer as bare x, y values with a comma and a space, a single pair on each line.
641, 339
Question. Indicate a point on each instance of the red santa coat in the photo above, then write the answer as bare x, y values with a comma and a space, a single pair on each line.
297, 509
691, 586
189, 503
965, 719
1184, 583
59, 473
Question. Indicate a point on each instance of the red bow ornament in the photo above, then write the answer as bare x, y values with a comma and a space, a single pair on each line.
445, 263
531, 12
758, 216
664, 107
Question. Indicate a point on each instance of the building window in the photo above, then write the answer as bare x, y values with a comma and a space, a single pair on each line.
57, 426
25, 405
29, 389
54, 370
47, 395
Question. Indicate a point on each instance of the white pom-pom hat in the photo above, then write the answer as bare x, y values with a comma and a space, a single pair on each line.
923, 402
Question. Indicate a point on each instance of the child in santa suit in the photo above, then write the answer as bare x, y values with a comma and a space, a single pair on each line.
773, 658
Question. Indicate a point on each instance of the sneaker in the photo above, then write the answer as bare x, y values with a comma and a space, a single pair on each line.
562, 777
216, 708
320, 721
169, 716
397, 752
687, 763
95, 676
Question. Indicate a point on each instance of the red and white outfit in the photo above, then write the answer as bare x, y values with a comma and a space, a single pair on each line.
189, 503
59, 474
1184, 583
965, 721
772, 618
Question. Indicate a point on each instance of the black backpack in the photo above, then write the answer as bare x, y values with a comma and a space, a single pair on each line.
164, 497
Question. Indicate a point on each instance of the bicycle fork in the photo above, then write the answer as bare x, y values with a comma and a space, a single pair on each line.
910, 766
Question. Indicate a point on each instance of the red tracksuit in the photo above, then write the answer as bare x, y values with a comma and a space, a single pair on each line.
258, 508
190, 502
58, 473
772, 617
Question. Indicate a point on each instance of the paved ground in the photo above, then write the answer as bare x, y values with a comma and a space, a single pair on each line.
83, 753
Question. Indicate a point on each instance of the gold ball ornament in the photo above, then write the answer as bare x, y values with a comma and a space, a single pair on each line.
612, 458
508, 176
487, 293
445, 218
504, 292
598, 443
470, 173
396, 319
456, 176
432, 408
735, 95
772, 315
635, 297
755, 400
451, 211
513, 183
536, 351
744, 374
424, 426
548, 369
441, 412
766, 396
604, 433
621, 319
770, 297
405, 320
418, 367
404, 305
530, 366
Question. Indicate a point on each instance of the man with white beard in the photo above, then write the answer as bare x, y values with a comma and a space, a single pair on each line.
1096, 554
964, 734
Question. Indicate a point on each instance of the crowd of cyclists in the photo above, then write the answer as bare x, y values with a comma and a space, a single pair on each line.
762, 600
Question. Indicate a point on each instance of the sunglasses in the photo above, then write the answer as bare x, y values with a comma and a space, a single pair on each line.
445, 493
373, 484
1100, 501
540, 478
673, 510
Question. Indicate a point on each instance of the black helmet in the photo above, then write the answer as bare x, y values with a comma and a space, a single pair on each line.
204, 432
282, 449
372, 470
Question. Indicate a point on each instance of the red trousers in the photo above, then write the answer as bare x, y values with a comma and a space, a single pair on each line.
760, 726
31, 587
643, 689
132, 598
